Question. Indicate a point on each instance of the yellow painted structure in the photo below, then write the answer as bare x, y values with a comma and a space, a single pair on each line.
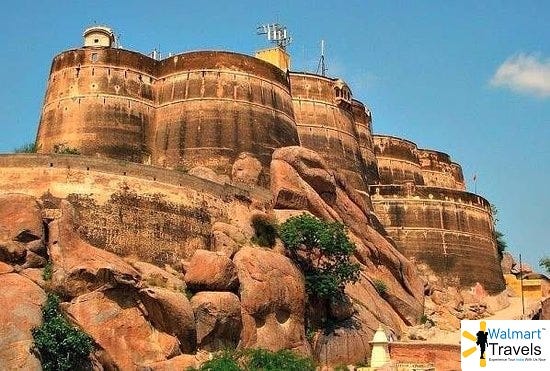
532, 288
276, 56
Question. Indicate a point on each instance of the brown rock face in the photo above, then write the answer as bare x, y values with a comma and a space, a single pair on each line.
302, 180
78, 267
246, 169
218, 317
171, 312
126, 340
211, 271
155, 276
20, 300
272, 300
227, 238
21, 228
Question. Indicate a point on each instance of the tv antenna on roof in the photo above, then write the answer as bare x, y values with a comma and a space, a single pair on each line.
321, 65
276, 34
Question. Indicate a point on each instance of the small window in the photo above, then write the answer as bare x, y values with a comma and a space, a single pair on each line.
96, 41
95, 57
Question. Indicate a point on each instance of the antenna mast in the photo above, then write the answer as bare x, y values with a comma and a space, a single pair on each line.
276, 34
321, 65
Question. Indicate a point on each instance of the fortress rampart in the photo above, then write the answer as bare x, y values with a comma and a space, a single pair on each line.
423, 205
155, 214
192, 109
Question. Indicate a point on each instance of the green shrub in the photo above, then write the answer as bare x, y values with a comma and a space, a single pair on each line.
264, 360
380, 287
27, 148
265, 230
60, 345
223, 361
258, 360
322, 250
48, 271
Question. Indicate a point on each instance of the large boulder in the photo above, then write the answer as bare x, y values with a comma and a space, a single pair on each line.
125, 338
151, 275
272, 300
79, 267
210, 271
218, 317
227, 238
246, 169
21, 228
21, 301
171, 313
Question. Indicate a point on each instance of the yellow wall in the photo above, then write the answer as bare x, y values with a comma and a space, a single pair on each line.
275, 56
531, 287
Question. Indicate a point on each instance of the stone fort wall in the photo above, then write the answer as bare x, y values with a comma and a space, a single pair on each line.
192, 109
200, 109
157, 215
450, 230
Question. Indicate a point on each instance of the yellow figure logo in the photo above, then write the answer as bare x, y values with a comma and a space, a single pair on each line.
481, 339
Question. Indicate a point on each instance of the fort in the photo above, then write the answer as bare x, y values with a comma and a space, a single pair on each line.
155, 178
207, 109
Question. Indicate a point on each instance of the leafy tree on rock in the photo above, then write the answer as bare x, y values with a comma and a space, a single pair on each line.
322, 250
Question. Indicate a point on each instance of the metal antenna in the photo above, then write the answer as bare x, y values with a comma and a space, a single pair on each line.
276, 34
321, 65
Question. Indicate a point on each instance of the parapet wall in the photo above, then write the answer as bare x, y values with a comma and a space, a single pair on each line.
158, 215
326, 124
192, 109
450, 230
444, 357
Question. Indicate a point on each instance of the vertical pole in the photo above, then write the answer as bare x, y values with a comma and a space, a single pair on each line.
521, 284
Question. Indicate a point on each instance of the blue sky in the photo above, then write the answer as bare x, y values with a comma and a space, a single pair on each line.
470, 78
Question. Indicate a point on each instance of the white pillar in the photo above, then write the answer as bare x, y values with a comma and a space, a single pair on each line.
379, 354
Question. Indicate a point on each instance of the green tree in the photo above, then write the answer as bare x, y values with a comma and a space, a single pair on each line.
544, 262
322, 250
60, 345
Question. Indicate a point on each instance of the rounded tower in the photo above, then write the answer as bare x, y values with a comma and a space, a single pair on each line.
397, 160
99, 100
325, 122
214, 105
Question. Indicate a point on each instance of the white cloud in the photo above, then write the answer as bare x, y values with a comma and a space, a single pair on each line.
524, 73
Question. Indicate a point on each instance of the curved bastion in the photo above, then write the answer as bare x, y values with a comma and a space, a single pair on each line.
422, 203
193, 109
211, 106
326, 124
